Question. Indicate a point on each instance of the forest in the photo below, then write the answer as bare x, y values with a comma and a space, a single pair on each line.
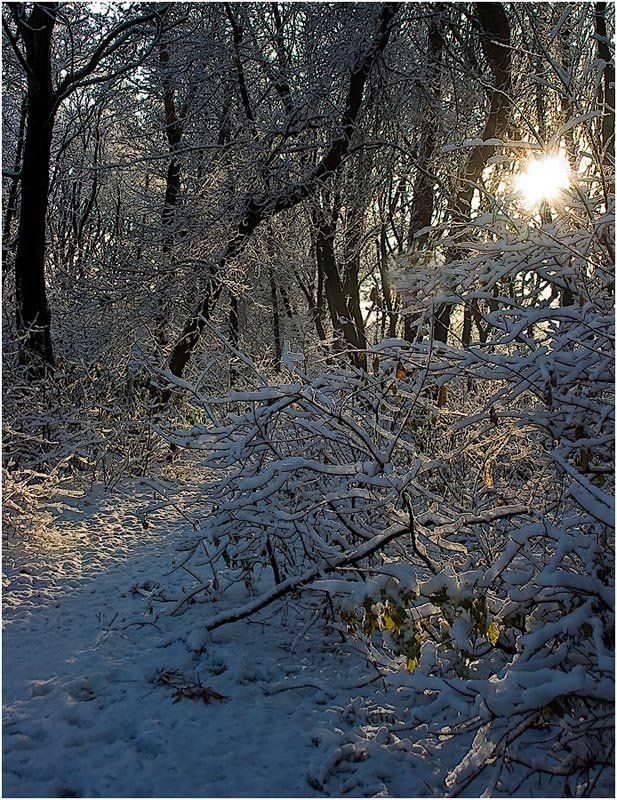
308, 399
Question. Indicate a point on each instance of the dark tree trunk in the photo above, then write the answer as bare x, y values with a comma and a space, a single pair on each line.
351, 277
289, 312
441, 322
315, 304
495, 40
36, 30
466, 337
386, 286
608, 98
33, 315
172, 188
173, 132
319, 306
423, 203
338, 292
423, 194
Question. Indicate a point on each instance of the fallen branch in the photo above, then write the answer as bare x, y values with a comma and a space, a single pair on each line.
300, 581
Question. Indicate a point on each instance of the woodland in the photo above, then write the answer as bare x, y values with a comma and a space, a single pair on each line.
335, 283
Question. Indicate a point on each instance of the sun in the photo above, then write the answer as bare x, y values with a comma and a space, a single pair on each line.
543, 179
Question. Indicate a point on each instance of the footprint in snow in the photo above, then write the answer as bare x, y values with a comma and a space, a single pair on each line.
80, 690
40, 688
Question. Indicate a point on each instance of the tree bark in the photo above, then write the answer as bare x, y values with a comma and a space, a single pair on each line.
33, 315
338, 291
386, 286
315, 303
608, 98
173, 132
495, 40
351, 275
423, 203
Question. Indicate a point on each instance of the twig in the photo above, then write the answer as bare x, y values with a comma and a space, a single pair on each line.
299, 582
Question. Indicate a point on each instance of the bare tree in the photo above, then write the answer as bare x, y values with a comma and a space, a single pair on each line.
35, 28
259, 207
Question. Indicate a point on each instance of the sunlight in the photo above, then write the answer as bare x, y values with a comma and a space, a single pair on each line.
543, 179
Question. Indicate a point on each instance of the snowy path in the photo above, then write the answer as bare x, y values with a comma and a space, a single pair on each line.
82, 716
83, 541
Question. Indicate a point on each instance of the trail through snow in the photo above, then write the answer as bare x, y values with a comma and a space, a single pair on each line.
84, 715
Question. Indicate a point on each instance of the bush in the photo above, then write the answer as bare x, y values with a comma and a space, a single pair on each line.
455, 507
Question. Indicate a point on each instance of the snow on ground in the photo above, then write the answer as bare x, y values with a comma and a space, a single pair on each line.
90, 534
89, 697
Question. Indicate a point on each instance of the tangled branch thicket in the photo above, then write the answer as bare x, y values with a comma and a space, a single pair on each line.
89, 422
454, 507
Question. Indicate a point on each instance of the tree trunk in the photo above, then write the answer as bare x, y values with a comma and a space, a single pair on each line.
608, 118
423, 194
36, 29
343, 317
351, 275
289, 312
466, 336
495, 40
315, 304
423, 203
33, 315
173, 132
386, 286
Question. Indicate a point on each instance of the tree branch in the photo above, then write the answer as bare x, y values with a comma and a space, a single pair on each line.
108, 45
300, 581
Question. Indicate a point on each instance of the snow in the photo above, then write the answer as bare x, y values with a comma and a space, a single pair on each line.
83, 714
114, 641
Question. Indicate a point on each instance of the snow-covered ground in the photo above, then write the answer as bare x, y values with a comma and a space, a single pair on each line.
89, 696
104, 692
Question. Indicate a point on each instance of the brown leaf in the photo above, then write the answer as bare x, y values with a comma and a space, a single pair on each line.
488, 476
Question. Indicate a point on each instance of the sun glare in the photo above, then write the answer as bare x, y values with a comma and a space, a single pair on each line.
543, 179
